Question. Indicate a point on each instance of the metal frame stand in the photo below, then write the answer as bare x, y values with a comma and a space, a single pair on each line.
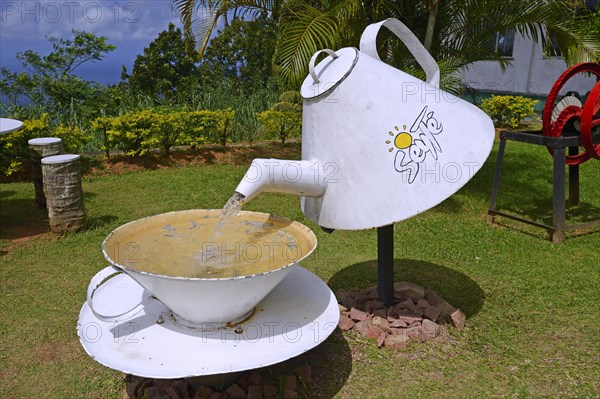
385, 264
559, 144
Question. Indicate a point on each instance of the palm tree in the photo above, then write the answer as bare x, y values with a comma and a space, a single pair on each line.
456, 32
202, 16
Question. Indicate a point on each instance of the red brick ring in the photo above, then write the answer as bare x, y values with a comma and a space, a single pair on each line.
555, 129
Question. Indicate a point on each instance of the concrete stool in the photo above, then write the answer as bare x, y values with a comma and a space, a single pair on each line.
38, 149
64, 195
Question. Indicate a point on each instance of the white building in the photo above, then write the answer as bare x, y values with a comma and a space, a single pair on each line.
532, 73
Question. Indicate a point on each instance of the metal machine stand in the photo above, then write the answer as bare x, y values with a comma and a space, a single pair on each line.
559, 144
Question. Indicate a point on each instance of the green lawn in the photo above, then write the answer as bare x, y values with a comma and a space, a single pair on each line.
532, 306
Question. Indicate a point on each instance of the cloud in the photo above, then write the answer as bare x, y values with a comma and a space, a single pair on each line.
117, 20
129, 24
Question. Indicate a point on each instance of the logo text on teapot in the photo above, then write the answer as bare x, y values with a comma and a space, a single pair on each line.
413, 147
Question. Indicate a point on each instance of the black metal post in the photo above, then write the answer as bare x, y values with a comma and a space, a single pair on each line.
385, 264
558, 201
496, 182
573, 179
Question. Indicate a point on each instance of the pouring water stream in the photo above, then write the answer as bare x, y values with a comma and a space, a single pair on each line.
231, 208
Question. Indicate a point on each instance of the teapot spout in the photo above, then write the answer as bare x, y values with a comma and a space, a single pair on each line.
282, 176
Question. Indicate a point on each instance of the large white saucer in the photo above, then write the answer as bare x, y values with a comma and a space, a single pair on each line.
300, 313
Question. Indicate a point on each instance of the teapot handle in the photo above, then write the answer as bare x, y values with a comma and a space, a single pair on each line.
368, 45
313, 59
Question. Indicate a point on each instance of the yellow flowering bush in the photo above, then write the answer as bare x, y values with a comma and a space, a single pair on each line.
136, 133
509, 111
284, 119
14, 147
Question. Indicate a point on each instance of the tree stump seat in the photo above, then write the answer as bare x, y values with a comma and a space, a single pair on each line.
39, 148
64, 194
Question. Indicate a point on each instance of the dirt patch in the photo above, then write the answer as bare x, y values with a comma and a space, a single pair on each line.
20, 236
22, 233
16, 235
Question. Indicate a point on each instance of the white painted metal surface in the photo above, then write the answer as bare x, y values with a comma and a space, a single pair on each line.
274, 176
8, 125
368, 45
198, 301
387, 145
328, 74
297, 315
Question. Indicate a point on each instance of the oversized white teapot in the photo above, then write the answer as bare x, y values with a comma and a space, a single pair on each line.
378, 145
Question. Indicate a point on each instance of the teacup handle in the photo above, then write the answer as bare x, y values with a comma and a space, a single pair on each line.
97, 281
368, 45
313, 60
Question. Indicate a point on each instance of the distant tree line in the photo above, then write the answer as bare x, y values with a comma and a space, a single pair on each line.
154, 105
253, 66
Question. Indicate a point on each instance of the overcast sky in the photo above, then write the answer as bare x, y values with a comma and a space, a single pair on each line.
129, 25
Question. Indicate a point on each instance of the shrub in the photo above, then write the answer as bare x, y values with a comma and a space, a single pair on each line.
193, 130
509, 111
102, 125
284, 119
73, 138
166, 129
280, 124
132, 133
178, 128
218, 124
138, 132
292, 97
14, 147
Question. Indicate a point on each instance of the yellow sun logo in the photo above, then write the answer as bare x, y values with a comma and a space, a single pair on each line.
402, 139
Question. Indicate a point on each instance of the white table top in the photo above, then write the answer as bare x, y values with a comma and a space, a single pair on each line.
9, 125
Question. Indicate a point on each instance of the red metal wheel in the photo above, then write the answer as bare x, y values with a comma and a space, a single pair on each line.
555, 129
587, 67
590, 118
565, 116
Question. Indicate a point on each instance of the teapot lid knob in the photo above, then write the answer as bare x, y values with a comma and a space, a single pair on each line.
329, 73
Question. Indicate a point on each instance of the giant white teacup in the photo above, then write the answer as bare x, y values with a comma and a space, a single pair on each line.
202, 277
